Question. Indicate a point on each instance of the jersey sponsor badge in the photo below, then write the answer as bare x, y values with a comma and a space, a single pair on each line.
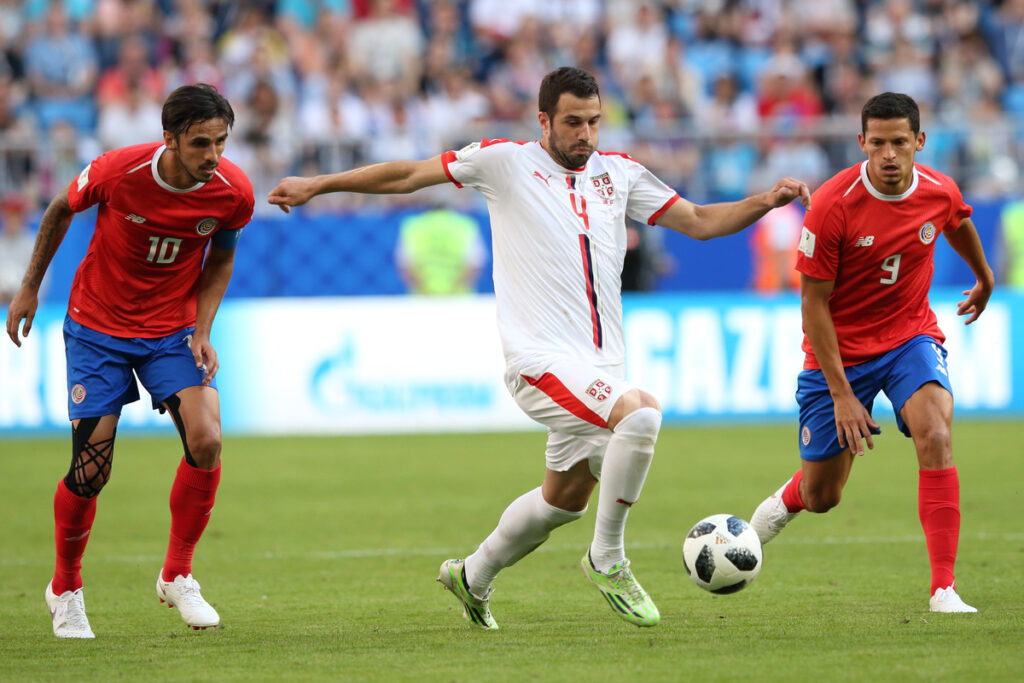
206, 226
806, 242
77, 394
83, 177
927, 233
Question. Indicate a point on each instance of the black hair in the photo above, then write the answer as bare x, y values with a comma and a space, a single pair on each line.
566, 79
891, 105
192, 104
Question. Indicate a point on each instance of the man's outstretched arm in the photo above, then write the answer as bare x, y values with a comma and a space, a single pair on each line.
390, 177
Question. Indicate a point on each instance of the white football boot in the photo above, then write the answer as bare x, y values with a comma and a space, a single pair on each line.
184, 594
771, 516
946, 600
67, 611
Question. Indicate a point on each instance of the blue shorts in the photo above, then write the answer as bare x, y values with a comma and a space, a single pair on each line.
100, 369
899, 373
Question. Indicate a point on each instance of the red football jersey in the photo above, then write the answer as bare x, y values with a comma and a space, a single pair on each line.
879, 250
140, 276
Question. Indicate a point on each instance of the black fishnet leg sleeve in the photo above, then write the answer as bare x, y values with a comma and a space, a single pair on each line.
90, 460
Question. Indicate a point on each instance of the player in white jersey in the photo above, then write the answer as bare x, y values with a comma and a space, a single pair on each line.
558, 211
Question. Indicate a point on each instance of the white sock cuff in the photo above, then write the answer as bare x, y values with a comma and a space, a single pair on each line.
556, 517
643, 423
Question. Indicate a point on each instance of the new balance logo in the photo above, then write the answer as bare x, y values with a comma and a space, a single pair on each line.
865, 241
135, 219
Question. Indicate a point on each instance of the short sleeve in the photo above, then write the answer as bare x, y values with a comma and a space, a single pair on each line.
820, 238
93, 185
480, 165
958, 208
649, 197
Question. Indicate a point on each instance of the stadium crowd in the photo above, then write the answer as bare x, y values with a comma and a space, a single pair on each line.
713, 96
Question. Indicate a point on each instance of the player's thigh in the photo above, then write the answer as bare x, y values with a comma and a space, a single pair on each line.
918, 387
170, 367
99, 372
197, 414
928, 416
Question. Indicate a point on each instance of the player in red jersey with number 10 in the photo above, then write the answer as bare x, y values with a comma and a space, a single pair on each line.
142, 304
866, 262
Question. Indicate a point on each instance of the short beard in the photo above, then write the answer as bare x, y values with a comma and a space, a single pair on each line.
571, 162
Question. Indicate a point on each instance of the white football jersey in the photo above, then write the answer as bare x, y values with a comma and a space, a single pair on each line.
559, 240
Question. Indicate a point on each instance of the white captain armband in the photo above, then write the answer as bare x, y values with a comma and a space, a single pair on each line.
226, 239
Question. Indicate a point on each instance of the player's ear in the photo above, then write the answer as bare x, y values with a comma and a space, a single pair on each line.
170, 140
920, 141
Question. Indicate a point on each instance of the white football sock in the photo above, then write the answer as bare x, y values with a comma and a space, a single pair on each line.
524, 525
626, 463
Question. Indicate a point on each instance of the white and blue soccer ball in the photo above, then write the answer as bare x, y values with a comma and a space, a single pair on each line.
722, 553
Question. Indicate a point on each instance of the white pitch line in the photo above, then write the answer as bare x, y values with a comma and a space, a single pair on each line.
363, 553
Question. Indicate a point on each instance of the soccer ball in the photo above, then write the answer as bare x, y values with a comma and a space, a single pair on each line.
722, 553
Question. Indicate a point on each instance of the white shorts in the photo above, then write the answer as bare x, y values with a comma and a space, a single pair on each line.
573, 400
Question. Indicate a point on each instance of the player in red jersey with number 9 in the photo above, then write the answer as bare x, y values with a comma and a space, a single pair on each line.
866, 262
142, 304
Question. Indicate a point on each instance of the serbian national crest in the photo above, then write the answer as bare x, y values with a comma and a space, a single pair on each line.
206, 226
603, 185
599, 390
927, 233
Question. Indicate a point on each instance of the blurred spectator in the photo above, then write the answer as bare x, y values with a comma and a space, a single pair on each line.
785, 97
198, 65
386, 46
132, 70
729, 109
1011, 239
440, 252
61, 67
263, 141
131, 119
637, 47
18, 142
16, 242
773, 241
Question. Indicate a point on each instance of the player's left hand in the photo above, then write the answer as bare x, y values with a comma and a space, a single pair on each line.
788, 189
975, 303
206, 358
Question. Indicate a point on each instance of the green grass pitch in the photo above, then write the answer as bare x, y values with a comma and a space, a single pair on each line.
322, 554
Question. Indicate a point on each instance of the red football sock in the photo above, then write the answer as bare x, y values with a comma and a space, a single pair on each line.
938, 506
192, 497
791, 494
73, 517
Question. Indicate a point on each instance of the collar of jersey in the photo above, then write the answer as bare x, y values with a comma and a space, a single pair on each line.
553, 165
163, 183
879, 195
